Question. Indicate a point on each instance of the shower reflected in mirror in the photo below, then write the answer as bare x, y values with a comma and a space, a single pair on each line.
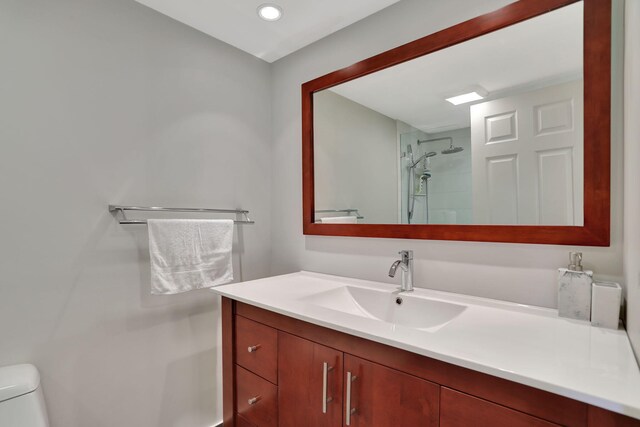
434, 178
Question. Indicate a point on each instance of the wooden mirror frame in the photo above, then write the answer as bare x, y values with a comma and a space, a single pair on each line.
597, 150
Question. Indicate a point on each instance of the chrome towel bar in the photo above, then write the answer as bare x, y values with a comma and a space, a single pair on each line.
121, 209
347, 211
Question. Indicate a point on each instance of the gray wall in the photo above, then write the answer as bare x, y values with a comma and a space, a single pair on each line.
106, 101
356, 159
632, 171
521, 273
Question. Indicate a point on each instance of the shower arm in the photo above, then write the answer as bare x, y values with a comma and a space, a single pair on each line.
446, 138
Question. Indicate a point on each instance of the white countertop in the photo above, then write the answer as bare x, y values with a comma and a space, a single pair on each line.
526, 344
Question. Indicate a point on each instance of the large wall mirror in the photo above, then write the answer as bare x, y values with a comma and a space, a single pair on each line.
496, 129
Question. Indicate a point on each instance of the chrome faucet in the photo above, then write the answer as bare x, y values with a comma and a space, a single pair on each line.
406, 264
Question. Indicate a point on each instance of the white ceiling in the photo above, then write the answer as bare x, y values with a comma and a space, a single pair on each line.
236, 22
533, 53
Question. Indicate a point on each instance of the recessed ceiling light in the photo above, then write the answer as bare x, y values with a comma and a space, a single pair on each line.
269, 12
465, 97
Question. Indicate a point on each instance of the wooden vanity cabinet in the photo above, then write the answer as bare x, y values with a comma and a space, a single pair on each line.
282, 383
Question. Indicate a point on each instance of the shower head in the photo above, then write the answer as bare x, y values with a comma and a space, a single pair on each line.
451, 148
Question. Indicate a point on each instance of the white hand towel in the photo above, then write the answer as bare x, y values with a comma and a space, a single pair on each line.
339, 220
188, 254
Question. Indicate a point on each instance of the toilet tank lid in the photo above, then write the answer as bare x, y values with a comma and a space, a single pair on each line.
17, 380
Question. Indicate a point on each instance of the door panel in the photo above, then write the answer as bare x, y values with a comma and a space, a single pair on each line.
301, 382
555, 181
502, 185
384, 397
501, 127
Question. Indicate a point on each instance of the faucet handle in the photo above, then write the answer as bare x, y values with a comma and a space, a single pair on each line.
406, 255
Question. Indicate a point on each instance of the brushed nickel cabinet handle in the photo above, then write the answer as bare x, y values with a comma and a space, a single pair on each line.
348, 410
253, 400
325, 384
253, 348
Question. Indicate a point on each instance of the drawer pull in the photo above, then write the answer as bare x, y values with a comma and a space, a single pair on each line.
253, 348
349, 411
253, 400
325, 384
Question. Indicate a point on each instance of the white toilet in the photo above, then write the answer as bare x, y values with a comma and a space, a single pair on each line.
21, 398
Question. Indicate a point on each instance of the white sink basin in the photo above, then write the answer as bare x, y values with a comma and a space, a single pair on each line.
414, 311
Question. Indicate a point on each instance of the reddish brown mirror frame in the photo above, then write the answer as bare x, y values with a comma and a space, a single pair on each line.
597, 152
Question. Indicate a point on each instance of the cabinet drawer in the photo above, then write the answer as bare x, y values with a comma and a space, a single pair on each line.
257, 399
257, 348
242, 421
459, 410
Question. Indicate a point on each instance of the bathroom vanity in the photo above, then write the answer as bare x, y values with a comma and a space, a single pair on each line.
318, 350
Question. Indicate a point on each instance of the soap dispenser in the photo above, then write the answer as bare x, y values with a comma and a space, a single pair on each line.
574, 289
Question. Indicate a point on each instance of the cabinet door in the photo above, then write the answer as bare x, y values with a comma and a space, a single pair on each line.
380, 396
308, 393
